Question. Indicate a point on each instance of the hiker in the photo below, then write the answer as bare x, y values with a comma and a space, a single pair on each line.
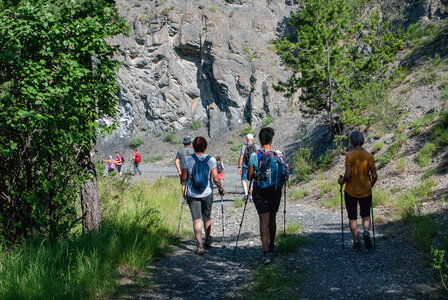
180, 157
137, 158
360, 177
246, 151
119, 163
267, 188
220, 167
200, 170
110, 164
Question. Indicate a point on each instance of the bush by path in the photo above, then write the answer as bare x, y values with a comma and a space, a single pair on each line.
85, 266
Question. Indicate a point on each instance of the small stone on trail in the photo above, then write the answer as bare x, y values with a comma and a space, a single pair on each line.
334, 289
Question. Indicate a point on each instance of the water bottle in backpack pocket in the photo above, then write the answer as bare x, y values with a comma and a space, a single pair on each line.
272, 170
199, 176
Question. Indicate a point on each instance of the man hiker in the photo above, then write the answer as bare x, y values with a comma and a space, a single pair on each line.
360, 177
180, 157
137, 158
268, 168
246, 151
200, 171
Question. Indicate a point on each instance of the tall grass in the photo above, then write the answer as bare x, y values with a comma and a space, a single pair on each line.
85, 266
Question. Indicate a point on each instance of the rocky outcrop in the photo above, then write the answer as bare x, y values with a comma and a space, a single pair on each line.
207, 61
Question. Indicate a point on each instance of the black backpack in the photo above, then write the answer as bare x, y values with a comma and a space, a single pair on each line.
200, 174
250, 148
219, 166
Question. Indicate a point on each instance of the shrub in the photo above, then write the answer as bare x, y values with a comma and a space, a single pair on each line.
303, 164
400, 139
293, 227
440, 131
267, 120
378, 146
289, 243
212, 9
153, 158
246, 130
238, 203
401, 165
172, 138
424, 155
325, 160
423, 230
298, 193
195, 125
387, 156
136, 142
440, 263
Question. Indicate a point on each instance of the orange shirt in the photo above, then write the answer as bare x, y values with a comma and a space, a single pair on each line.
362, 163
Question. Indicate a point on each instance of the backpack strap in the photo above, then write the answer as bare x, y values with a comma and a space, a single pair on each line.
196, 159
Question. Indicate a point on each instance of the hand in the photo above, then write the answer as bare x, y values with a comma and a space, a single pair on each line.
341, 180
221, 191
240, 171
179, 174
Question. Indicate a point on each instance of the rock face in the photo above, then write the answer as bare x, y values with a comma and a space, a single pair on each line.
207, 61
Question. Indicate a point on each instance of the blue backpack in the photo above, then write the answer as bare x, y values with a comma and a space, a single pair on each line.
200, 174
272, 170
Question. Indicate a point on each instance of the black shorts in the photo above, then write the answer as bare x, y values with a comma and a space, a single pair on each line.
266, 202
201, 208
351, 204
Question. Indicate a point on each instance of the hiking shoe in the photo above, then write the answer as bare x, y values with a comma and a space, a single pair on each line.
208, 243
367, 241
357, 246
271, 248
199, 251
266, 259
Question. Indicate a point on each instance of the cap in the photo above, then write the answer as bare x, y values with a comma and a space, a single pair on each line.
250, 136
187, 140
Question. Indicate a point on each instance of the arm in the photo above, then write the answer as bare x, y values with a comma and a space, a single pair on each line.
250, 172
216, 180
240, 163
177, 164
373, 176
183, 174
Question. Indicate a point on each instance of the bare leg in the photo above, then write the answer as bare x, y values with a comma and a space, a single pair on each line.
244, 184
264, 230
354, 230
184, 189
197, 228
272, 228
366, 223
208, 228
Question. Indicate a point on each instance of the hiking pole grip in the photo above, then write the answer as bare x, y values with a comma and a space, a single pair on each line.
342, 217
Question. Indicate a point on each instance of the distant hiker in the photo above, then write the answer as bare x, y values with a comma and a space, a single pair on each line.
246, 151
268, 168
180, 157
110, 164
220, 167
360, 176
200, 169
137, 158
119, 163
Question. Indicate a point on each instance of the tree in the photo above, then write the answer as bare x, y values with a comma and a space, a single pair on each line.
57, 78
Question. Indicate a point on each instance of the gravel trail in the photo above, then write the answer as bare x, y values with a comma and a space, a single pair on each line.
394, 270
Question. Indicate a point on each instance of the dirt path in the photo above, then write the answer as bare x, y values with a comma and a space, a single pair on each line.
394, 270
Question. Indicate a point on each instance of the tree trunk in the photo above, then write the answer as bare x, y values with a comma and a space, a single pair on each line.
90, 201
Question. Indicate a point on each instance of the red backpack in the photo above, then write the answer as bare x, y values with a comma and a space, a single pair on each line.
138, 158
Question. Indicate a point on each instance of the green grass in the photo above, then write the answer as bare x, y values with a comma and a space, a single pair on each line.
172, 138
293, 227
423, 157
444, 95
84, 266
400, 165
267, 120
289, 243
153, 158
238, 203
423, 230
136, 142
325, 160
212, 9
246, 130
195, 125
380, 197
418, 124
386, 157
335, 197
440, 130
400, 139
298, 193
303, 164
378, 146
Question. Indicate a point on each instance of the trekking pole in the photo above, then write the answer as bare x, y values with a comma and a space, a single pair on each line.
342, 217
180, 217
222, 217
284, 212
373, 223
242, 218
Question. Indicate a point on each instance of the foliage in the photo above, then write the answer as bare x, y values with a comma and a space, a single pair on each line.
400, 165
380, 197
378, 146
387, 156
440, 262
82, 267
325, 160
57, 78
289, 243
136, 142
293, 227
267, 120
298, 193
440, 130
195, 125
303, 164
246, 130
212, 9
424, 155
238, 203
153, 158
172, 138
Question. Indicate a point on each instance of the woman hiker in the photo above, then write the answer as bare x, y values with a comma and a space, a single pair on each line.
266, 202
110, 164
360, 177
119, 163
200, 170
